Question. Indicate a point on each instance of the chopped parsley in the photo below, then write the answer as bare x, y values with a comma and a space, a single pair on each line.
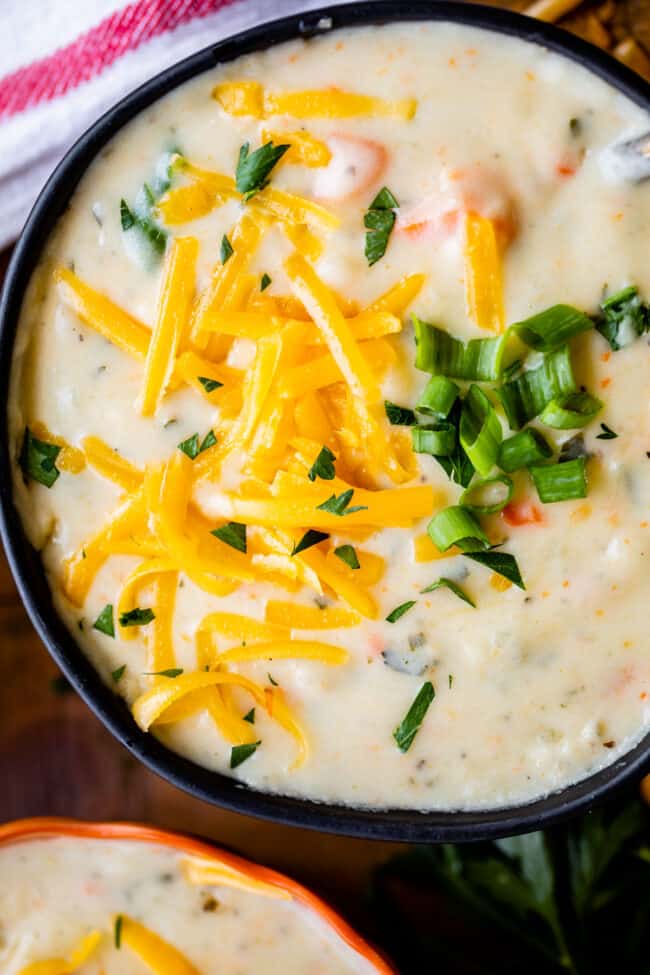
311, 537
379, 222
137, 617
405, 733
500, 562
347, 554
399, 416
399, 611
323, 466
240, 753
104, 622
192, 447
254, 168
232, 534
226, 249
607, 433
118, 673
339, 505
38, 460
265, 282
250, 717
171, 672
443, 583
209, 385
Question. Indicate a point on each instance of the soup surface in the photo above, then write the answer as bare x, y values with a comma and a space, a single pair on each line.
119, 908
267, 603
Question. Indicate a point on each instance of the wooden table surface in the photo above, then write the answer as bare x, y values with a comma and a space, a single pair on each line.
57, 759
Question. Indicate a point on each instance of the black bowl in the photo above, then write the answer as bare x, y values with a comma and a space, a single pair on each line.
25, 562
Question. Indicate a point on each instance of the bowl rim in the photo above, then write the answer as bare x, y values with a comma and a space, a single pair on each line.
396, 824
53, 827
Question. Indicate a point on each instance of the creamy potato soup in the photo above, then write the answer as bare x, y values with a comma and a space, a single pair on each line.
114, 907
331, 422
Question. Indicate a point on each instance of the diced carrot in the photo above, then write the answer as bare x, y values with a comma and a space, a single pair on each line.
522, 513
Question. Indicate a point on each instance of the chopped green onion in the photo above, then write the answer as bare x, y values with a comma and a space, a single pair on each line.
571, 412
457, 526
117, 931
438, 397
457, 466
172, 673
526, 396
443, 583
480, 430
104, 622
311, 537
240, 753
347, 554
323, 466
405, 733
232, 534
565, 481
607, 434
399, 611
552, 328
438, 439
137, 617
523, 449
502, 563
441, 354
476, 498
623, 317
399, 416
38, 459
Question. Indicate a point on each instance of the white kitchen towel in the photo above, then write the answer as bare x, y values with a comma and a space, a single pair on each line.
64, 62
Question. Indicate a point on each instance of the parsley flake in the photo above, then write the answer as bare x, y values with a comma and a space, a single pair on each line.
607, 434
104, 622
379, 222
254, 168
311, 537
137, 617
347, 554
240, 753
226, 249
399, 416
209, 385
265, 282
38, 459
118, 673
171, 672
323, 466
405, 733
339, 505
232, 534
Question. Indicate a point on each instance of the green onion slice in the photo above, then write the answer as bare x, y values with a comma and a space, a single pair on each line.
526, 396
438, 397
523, 449
438, 439
552, 328
565, 481
477, 497
399, 416
458, 467
571, 412
405, 733
399, 611
480, 430
457, 525
443, 583
623, 317
441, 354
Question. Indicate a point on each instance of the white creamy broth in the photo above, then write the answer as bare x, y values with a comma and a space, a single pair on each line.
535, 688
57, 892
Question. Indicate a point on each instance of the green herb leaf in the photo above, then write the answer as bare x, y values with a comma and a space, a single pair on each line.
117, 931
265, 282
137, 617
254, 168
38, 459
226, 249
210, 385
232, 534
607, 434
240, 753
104, 622
399, 416
399, 611
500, 562
347, 554
443, 583
250, 716
339, 505
171, 672
323, 466
311, 537
405, 733
190, 447
127, 216
379, 222
118, 673
623, 317
208, 441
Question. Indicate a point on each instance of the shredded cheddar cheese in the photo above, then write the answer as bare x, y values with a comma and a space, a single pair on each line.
157, 954
213, 873
483, 275
61, 966
250, 98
